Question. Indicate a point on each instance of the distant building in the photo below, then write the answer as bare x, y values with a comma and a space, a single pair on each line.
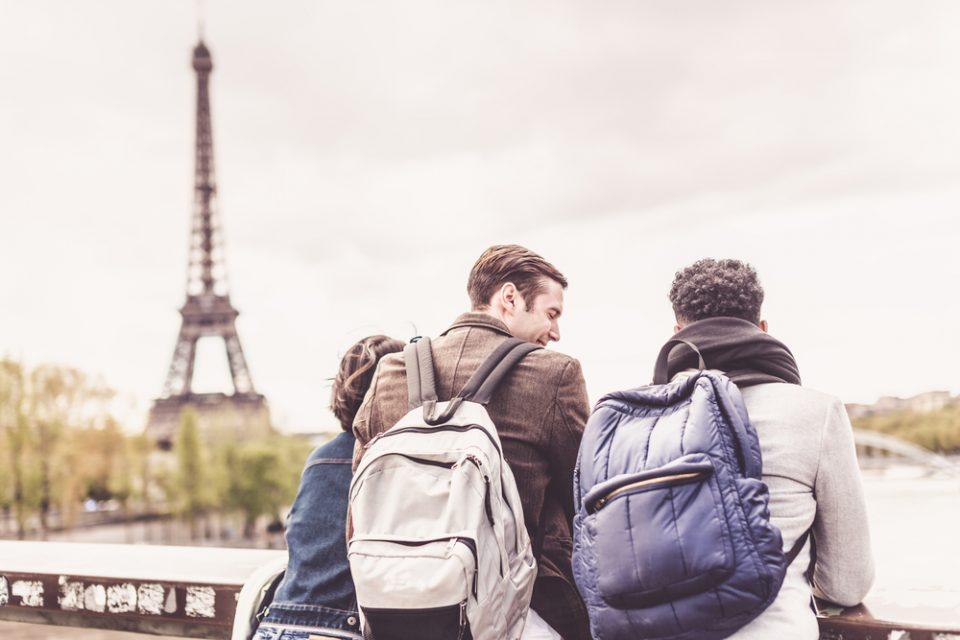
931, 401
920, 403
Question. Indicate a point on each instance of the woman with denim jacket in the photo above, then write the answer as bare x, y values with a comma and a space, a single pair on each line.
316, 596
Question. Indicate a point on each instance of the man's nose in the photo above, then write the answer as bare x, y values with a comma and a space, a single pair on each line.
555, 332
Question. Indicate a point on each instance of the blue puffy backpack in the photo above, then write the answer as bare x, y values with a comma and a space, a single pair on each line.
672, 533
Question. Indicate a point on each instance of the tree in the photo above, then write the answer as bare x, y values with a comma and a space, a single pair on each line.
59, 398
6, 481
193, 492
13, 422
262, 478
142, 477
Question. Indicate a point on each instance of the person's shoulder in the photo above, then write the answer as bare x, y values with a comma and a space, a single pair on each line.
793, 391
552, 357
794, 399
391, 363
337, 449
553, 364
392, 359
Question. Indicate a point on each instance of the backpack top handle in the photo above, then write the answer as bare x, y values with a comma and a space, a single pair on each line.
661, 372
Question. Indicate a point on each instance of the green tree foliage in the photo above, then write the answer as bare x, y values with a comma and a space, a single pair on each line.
262, 478
17, 440
60, 447
936, 430
139, 476
105, 461
193, 492
59, 399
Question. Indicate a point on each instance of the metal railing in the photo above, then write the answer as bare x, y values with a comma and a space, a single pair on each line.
193, 592
907, 451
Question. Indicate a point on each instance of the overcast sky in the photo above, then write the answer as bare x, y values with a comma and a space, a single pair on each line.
368, 152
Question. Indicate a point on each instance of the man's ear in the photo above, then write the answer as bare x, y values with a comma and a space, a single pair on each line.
763, 326
509, 296
676, 328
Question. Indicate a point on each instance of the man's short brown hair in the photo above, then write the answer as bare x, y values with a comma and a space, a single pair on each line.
503, 263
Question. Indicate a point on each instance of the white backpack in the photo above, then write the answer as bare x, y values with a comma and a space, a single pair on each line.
439, 549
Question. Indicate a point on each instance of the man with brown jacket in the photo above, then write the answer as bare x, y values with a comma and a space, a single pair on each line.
540, 409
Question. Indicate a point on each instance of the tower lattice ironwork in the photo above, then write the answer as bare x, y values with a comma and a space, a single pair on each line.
207, 310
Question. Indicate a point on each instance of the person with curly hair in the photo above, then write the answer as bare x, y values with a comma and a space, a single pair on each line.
711, 288
316, 594
806, 443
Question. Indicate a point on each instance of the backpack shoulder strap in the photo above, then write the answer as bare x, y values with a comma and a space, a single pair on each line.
792, 554
421, 379
794, 551
484, 381
661, 371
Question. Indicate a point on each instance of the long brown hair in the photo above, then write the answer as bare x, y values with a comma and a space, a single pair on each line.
355, 375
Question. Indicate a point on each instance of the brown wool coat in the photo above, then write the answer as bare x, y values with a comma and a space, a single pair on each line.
540, 410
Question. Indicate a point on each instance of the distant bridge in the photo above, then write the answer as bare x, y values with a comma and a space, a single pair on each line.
893, 446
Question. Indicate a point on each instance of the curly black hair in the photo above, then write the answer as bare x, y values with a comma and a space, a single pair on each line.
709, 288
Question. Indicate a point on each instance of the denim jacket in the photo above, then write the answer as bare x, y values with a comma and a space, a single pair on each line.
317, 591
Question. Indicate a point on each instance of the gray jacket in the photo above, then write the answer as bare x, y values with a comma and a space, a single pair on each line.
810, 466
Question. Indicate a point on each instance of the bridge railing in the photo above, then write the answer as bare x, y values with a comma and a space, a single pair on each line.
193, 591
901, 449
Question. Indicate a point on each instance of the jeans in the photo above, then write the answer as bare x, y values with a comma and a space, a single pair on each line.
316, 592
281, 632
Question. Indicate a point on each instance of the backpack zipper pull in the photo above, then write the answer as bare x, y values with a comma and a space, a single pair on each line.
486, 501
487, 507
463, 619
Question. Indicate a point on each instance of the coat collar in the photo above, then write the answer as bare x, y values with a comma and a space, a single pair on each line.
479, 319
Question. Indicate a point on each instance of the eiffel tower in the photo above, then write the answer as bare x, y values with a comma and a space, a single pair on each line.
207, 310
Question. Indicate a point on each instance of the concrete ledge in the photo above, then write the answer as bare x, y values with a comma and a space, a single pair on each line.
181, 591
192, 592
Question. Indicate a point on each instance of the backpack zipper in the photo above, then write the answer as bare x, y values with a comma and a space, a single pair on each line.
486, 481
450, 465
486, 497
467, 542
448, 427
418, 460
650, 482
451, 427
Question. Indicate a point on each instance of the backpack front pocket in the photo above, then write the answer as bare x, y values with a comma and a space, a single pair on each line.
659, 534
436, 623
415, 588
